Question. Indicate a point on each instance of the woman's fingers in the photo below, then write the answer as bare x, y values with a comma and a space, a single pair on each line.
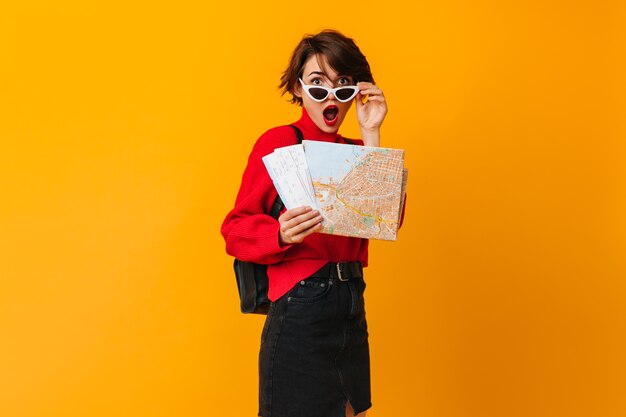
297, 234
301, 223
371, 113
290, 214
379, 99
371, 92
369, 89
298, 223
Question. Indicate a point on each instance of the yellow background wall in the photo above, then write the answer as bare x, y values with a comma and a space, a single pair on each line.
125, 127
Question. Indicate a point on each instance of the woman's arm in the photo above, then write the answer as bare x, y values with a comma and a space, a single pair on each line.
250, 233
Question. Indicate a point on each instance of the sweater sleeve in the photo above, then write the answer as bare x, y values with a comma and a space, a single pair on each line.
251, 234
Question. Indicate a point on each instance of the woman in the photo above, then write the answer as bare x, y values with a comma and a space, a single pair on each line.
314, 358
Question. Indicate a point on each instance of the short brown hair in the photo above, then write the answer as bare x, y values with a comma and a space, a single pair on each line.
341, 52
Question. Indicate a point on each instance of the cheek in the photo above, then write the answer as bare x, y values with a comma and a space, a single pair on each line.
345, 107
312, 106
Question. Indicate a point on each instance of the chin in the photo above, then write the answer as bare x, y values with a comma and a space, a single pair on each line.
333, 128
325, 128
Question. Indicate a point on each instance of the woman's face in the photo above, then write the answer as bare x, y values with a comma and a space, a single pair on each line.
329, 114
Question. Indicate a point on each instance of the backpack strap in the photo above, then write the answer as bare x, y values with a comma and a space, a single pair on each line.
299, 135
277, 207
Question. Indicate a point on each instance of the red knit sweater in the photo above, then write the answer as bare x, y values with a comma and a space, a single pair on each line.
252, 235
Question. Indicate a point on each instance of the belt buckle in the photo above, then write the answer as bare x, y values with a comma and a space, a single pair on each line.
341, 278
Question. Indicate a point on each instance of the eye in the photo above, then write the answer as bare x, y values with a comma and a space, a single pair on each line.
316, 81
344, 81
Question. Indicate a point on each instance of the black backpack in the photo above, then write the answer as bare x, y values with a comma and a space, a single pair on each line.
252, 281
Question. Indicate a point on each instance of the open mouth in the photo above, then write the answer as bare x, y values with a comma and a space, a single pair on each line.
331, 114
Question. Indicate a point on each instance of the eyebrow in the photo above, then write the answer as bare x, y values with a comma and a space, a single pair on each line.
323, 74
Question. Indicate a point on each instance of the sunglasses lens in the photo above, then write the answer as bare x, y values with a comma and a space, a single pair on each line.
318, 93
345, 93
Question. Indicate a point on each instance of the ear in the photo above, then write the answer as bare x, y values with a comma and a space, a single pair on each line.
297, 90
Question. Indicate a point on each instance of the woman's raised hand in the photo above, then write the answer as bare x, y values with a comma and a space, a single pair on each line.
298, 223
371, 113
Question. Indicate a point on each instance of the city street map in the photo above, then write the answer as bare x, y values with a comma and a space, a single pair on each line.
359, 190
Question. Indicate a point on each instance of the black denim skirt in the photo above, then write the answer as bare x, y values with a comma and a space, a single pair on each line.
314, 350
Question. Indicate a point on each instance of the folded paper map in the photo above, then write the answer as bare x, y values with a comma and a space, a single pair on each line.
359, 190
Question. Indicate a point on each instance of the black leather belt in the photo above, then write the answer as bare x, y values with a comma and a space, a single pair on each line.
342, 271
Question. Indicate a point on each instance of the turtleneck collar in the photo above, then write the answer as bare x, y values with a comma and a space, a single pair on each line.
312, 132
